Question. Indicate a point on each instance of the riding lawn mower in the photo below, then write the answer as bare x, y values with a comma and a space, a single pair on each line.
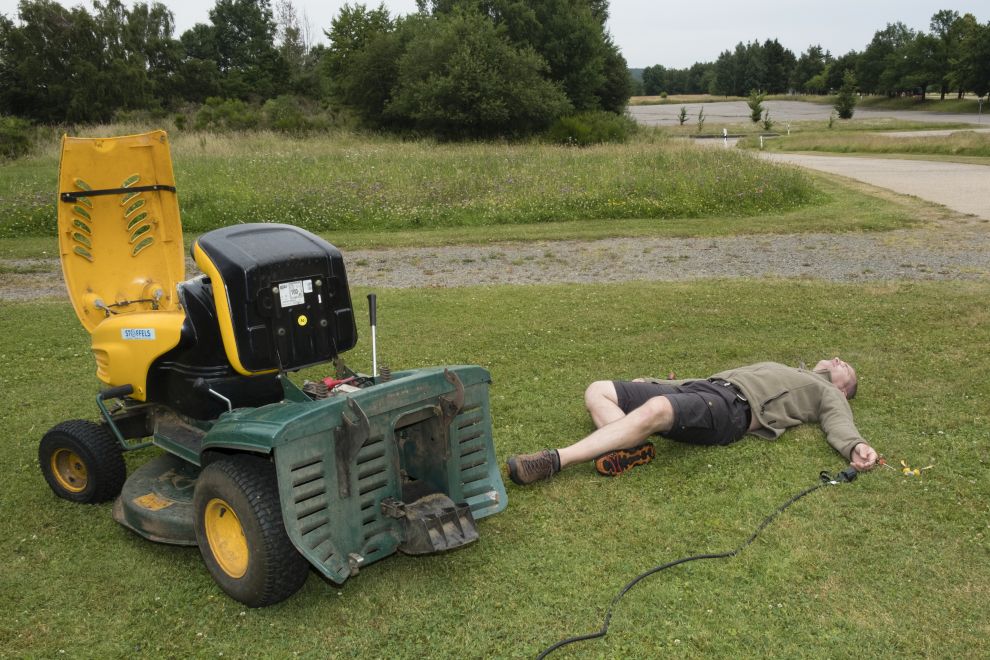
268, 478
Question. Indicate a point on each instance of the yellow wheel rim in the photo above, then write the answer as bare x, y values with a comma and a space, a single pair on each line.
69, 470
226, 538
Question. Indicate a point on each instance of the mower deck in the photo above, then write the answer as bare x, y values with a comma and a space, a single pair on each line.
156, 501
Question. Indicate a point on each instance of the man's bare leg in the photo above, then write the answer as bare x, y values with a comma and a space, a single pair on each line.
654, 416
602, 403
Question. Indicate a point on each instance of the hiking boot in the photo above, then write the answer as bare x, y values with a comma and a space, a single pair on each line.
526, 468
614, 463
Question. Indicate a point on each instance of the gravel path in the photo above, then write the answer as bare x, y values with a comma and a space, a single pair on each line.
951, 251
837, 257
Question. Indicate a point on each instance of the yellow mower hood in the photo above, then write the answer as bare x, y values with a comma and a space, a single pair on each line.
120, 241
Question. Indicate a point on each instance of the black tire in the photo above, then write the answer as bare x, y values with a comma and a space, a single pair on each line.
249, 555
82, 462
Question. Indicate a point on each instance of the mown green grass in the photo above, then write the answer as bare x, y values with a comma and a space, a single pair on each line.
889, 565
958, 144
930, 104
869, 124
745, 128
682, 98
347, 182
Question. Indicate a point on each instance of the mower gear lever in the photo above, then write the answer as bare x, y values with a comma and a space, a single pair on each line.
373, 314
200, 385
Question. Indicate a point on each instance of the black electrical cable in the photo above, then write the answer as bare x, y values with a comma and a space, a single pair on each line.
846, 475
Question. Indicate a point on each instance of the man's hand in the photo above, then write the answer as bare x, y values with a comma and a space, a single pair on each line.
863, 457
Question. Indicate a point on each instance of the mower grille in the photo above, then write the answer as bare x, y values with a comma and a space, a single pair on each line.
353, 482
309, 496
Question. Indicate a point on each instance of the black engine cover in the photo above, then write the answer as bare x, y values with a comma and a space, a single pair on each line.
287, 295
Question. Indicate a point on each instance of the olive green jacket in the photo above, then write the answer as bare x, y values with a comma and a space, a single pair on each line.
781, 397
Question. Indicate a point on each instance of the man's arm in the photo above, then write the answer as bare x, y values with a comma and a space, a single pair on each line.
836, 419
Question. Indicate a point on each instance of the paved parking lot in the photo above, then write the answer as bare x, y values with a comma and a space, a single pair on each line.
734, 112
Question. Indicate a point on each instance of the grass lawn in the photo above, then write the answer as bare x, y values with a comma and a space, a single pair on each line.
682, 98
808, 129
932, 103
963, 144
889, 565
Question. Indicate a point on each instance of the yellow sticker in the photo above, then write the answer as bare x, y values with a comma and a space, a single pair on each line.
153, 502
302, 320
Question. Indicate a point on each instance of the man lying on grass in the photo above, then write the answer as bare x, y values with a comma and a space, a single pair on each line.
764, 399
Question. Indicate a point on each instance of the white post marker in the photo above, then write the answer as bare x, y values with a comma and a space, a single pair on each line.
761, 142
725, 137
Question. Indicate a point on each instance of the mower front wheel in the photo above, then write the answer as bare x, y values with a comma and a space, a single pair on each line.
82, 462
240, 532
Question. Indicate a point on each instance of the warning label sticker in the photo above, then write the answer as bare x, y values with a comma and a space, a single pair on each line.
291, 293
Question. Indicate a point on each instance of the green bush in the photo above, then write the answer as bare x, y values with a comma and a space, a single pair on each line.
755, 103
16, 137
293, 114
595, 127
285, 113
845, 102
461, 78
227, 115
150, 116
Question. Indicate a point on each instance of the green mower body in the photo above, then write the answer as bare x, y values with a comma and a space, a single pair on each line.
352, 470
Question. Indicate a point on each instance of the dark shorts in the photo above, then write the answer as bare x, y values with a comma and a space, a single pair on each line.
705, 412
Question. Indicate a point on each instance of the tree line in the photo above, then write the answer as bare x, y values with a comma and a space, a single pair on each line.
457, 68
953, 57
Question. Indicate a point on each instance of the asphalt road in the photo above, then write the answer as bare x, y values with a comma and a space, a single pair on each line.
958, 186
733, 112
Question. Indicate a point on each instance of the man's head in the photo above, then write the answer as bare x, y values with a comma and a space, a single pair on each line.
842, 375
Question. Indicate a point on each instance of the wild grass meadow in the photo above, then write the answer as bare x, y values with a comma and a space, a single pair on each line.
343, 182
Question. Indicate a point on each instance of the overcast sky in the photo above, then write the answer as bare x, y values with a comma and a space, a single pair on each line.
678, 34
